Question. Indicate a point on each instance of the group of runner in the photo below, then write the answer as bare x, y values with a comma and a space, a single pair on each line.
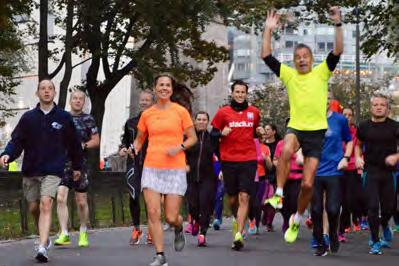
170, 156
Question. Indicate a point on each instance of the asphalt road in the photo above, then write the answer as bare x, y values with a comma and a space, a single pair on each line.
110, 248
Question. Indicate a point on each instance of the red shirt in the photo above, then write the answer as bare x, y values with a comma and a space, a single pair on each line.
239, 145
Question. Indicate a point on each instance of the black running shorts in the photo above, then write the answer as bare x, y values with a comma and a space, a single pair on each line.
311, 142
239, 177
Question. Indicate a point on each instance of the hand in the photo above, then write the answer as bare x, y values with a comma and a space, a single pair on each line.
174, 150
4, 160
391, 160
226, 131
76, 175
130, 152
343, 164
123, 152
220, 176
188, 168
272, 20
359, 162
335, 14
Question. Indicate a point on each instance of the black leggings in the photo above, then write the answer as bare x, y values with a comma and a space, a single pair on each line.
353, 201
200, 196
291, 192
380, 191
255, 206
135, 210
330, 185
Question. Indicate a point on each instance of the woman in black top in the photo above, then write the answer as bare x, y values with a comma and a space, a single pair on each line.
201, 178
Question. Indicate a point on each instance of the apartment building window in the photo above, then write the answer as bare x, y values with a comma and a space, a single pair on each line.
305, 32
321, 46
330, 46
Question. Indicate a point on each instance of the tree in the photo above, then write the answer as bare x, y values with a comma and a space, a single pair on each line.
12, 51
272, 100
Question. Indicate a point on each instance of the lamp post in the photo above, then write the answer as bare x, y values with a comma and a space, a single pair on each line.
357, 87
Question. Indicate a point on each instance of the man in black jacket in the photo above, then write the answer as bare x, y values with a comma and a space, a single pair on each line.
47, 135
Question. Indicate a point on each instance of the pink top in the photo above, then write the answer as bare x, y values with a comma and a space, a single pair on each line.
295, 169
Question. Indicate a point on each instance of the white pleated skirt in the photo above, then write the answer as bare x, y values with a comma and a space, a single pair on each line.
165, 181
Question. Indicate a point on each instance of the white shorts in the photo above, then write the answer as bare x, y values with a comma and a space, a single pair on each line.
165, 181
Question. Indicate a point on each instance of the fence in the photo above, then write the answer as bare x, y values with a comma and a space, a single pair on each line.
107, 198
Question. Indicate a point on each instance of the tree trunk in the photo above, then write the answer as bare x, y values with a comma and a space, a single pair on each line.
43, 40
68, 56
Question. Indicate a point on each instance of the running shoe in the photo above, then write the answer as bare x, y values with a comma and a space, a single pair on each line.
189, 228
201, 240
234, 228
364, 225
396, 229
314, 243
252, 227
83, 239
370, 242
136, 236
375, 249
62, 240
341, 238
159, 260
180, 239
195, 229
148, 241
348, 230
309, 223
238, 242
326, 240
42, 254
387, 234
276, 201
292, 232
216, 224
385, 244
356, 228
321, 251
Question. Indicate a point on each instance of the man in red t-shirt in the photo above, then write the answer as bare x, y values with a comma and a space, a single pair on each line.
235, 126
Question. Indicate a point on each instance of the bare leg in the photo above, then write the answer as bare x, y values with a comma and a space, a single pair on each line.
153, 203
46, 204
309, 172
83, 207
62, 208
242, 213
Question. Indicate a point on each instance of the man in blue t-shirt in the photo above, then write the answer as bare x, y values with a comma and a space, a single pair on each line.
333, 160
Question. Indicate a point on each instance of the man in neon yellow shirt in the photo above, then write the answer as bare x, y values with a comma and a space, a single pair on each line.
307, 89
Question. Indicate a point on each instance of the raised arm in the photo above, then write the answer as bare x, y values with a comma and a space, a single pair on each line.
271, 23
335, 16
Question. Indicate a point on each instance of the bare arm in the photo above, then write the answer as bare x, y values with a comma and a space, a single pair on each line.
138, 142
335, 16
271, 23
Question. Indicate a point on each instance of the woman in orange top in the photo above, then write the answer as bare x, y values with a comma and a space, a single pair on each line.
164, 171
